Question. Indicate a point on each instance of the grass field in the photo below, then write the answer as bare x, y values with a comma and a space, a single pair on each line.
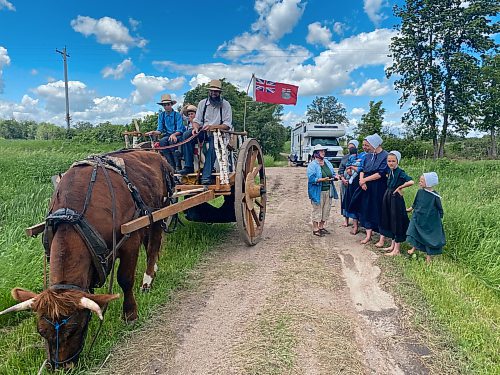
460, 290
25, 189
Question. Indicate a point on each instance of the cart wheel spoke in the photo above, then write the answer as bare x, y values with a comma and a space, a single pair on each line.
258, 203
250, 226
255, 217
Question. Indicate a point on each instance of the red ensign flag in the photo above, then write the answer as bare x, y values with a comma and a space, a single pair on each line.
275, 92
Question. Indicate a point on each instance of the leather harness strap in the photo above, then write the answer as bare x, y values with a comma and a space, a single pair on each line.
102, 257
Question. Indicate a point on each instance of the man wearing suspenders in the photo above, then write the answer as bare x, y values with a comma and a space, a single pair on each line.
171, 126
212, 113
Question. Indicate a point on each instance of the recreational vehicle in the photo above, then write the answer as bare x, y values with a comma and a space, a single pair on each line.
307, 135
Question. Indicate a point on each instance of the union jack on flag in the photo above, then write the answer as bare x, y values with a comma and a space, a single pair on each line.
265, 86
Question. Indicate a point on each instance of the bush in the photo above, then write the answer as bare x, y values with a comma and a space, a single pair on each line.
409, 148
102, 133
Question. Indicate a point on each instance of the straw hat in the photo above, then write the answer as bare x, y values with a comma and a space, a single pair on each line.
189, 108
166, 98
215, 85
319, 148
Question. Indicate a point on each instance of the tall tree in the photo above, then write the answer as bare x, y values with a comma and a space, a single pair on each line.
435, 55
489, 100
326, 110
371, 122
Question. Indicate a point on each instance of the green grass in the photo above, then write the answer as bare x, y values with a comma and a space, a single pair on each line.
25, 190
470, 194
460, 290
270, 161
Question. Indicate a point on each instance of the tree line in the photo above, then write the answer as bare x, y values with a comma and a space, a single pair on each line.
262, 121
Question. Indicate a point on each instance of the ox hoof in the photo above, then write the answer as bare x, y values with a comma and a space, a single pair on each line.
145, 288
130, 319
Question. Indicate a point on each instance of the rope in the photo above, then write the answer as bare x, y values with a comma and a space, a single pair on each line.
112, 273
171, 146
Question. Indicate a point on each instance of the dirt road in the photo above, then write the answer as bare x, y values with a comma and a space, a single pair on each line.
293, 304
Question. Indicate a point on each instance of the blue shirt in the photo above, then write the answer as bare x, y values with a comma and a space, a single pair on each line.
169, 123
313, 186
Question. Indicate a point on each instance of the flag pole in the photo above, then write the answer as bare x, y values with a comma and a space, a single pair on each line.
253, 95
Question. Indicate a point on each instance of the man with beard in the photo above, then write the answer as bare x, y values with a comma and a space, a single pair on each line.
212, 113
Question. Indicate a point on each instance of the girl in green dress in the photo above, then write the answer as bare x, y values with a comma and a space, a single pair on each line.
426, 232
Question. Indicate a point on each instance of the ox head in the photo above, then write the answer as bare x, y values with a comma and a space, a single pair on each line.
63, 318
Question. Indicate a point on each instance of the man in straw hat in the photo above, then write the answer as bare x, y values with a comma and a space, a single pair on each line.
212, 113
170, 125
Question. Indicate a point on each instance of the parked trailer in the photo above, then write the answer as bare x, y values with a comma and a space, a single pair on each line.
307, 135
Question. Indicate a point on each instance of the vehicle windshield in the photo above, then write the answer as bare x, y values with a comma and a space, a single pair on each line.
327, 141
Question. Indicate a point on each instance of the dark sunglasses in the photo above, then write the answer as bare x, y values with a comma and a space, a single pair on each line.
167, 104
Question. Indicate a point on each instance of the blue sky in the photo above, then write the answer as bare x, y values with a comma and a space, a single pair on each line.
124, 55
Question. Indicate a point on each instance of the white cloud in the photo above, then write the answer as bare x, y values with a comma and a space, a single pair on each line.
119, 72
146, 87
371, 87
373, 10
28, 101
199, 79
134, 24
318, 34
339, 28
107, 30
277, 18
107, 108
357, 111
80, 97
4, 61
7, 4
291, 119
328, 71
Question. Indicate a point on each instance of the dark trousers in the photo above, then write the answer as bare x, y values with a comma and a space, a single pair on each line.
170, 154
188, 151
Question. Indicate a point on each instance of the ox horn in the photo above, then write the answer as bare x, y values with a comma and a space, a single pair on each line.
87, 303
25, 305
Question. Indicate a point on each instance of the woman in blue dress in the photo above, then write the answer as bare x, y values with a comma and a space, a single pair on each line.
367, 199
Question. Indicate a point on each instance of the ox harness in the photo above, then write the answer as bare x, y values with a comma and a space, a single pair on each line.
102, 257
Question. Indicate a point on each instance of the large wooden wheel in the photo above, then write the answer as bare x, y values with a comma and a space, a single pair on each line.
250, 192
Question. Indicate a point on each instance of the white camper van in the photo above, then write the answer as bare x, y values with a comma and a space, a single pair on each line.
307, 135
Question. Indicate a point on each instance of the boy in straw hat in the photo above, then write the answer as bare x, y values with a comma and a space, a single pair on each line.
212, 113
170, 125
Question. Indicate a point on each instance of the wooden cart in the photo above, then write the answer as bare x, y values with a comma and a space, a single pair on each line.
244, 192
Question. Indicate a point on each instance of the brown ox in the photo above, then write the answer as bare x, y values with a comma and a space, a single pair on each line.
68, 303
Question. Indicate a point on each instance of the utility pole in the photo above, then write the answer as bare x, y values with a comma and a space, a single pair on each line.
65, 56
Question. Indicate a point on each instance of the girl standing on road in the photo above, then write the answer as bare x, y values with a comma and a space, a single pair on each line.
394, 220
320, 176
367, 199
426, 232
352, 146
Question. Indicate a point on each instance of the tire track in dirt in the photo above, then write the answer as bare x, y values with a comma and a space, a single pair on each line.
294, 304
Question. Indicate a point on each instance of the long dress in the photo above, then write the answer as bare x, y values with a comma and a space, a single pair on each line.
368, 203
351, 187
394, 220
426, 231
